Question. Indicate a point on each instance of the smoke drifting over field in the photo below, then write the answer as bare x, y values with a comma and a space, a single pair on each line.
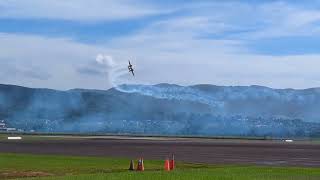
164, 109
172, 92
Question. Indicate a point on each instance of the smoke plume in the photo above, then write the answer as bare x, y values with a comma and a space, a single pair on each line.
105, 60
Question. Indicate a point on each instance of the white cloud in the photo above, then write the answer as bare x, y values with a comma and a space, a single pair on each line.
59, 58
78, 10
262, 20
282, 19
173, 50
247, 20
198, 61
105, 60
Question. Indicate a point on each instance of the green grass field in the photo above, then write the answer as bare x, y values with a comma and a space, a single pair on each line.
45, 167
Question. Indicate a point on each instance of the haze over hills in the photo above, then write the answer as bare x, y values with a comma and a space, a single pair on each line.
165, 109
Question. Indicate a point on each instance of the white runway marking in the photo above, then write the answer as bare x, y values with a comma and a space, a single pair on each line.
14, 138
288, 140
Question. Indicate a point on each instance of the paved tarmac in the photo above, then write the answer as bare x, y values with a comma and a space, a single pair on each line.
273, 153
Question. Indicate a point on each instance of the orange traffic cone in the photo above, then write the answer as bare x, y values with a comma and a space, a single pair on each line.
131, 168
172, 164
140, 166
167, 165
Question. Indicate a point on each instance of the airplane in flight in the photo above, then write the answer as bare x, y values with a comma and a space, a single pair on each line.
130, 68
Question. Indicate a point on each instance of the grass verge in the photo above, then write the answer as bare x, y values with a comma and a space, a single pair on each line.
49, 167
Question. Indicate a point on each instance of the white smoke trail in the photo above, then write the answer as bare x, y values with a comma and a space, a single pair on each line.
117, 72
117, 76
120, 79
173, 92
105, 60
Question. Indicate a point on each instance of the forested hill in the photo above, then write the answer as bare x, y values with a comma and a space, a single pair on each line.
165, 109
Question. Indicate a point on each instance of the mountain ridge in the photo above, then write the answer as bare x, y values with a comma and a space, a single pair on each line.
139, 109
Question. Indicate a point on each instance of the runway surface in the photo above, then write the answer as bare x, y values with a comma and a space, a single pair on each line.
275, 153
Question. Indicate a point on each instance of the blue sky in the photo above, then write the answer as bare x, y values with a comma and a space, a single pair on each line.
56, 43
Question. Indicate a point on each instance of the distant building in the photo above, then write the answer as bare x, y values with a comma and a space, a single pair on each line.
11, 129
3, 126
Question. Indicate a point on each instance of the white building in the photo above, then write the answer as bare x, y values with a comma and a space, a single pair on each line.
3, 126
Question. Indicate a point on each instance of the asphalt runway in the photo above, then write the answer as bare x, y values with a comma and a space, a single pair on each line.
273, 153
